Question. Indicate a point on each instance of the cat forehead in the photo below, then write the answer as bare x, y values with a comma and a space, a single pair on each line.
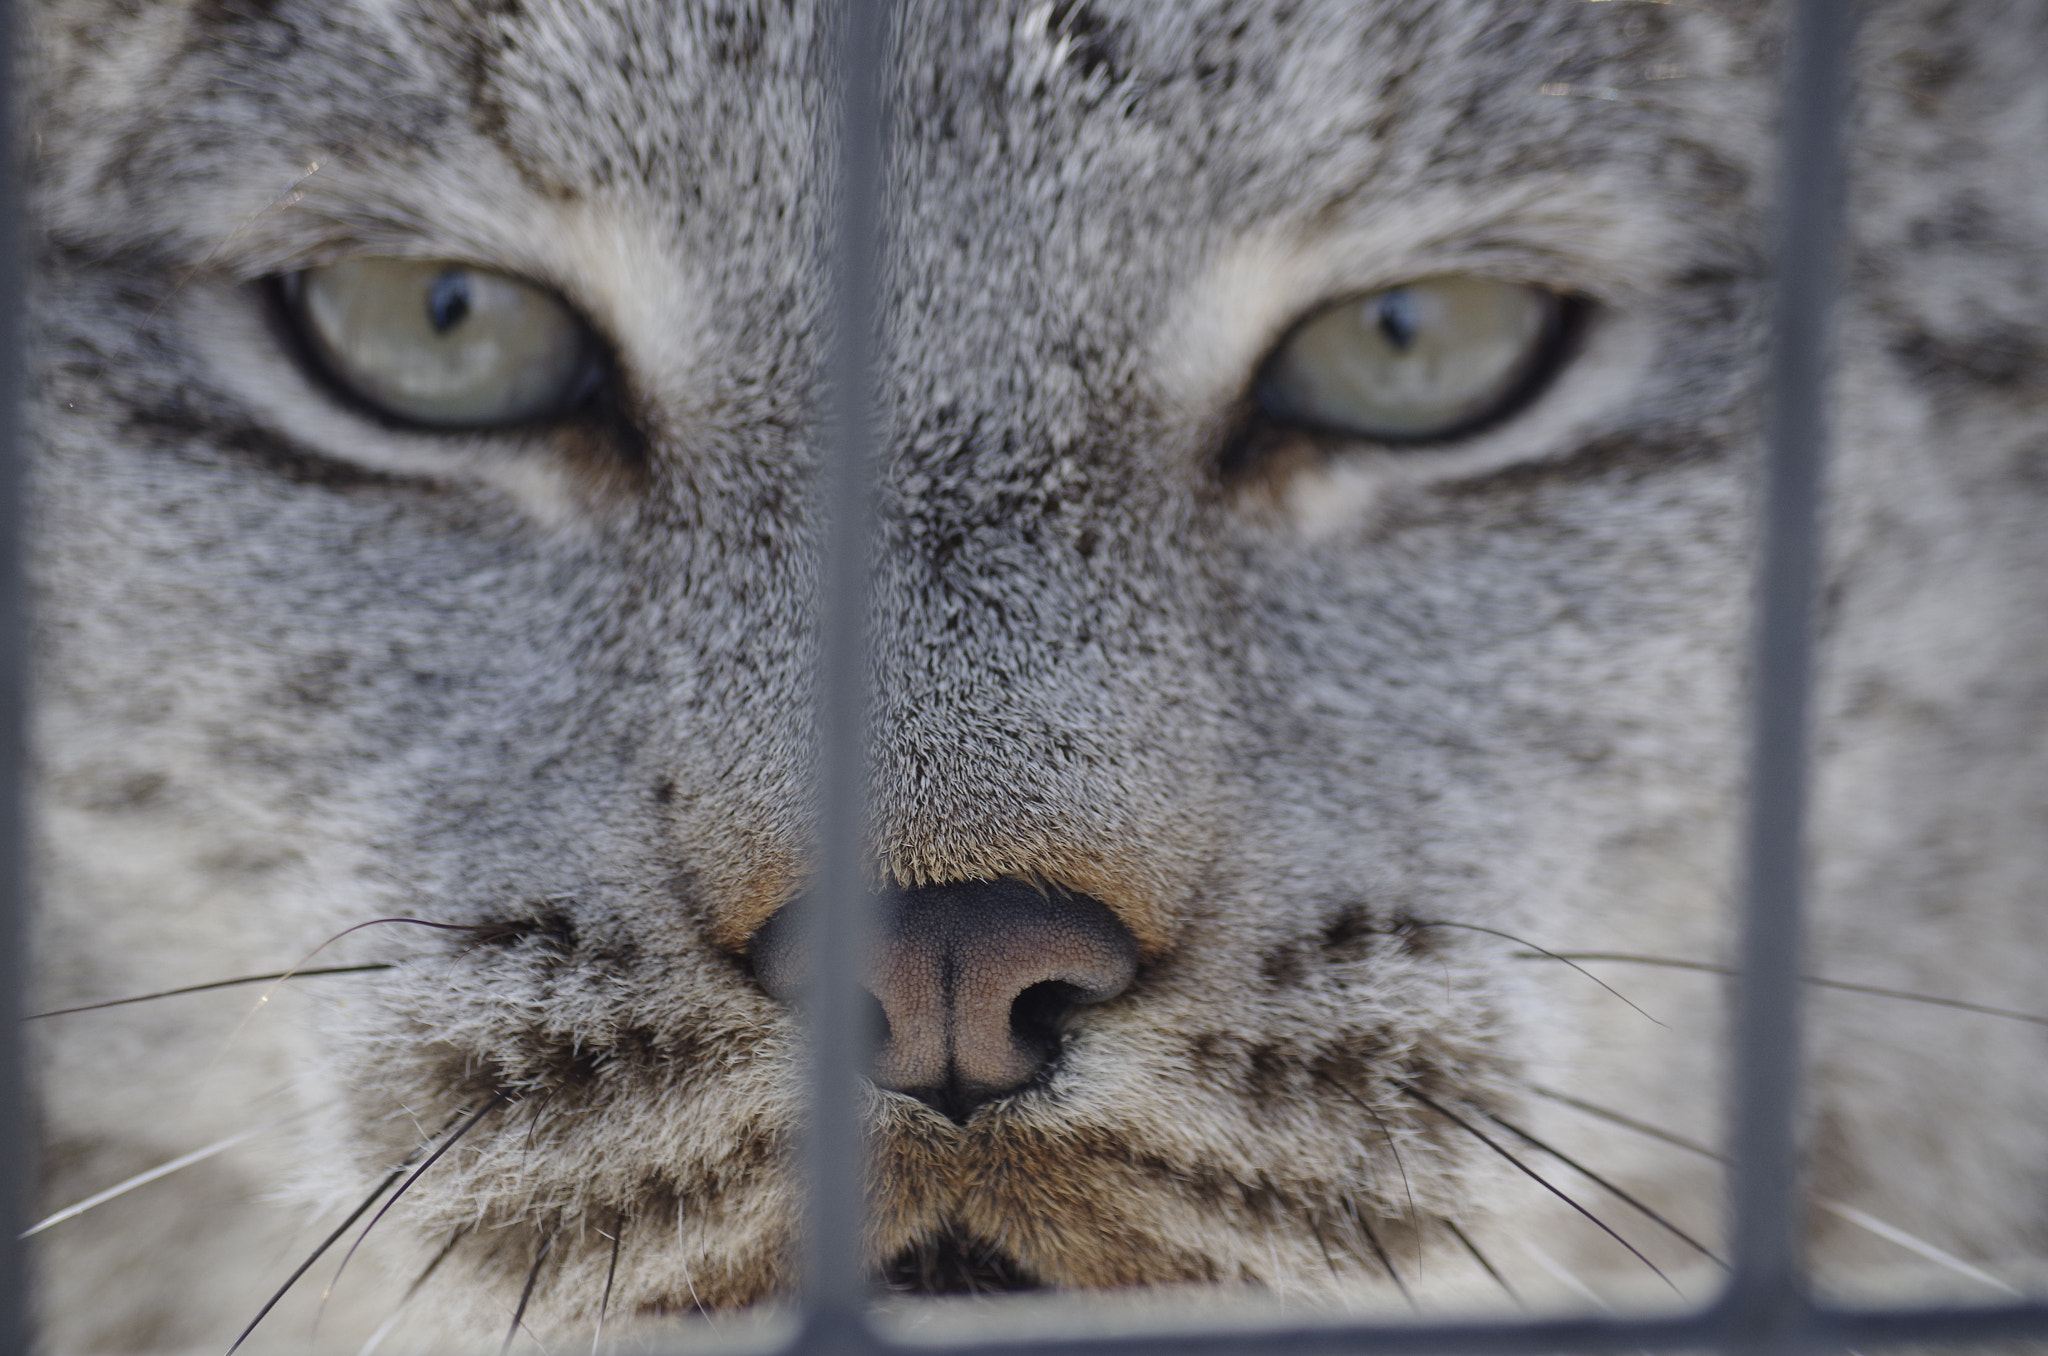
1032, 111
1056, 103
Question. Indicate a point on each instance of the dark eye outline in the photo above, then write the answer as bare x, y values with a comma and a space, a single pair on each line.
1561, 340
596, 391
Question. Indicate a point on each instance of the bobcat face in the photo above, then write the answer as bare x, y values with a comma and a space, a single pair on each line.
1311, 574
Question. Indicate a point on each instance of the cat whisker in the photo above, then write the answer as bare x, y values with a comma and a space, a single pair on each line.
1893, 1234
376, 1339
1523, 941
212, 984
330, 1241
1625, 1122
689, 1283
1535, 1176
1407, 1189
1564, 1276
604, 1302
1708, 967
1609, 1186
1847, 1213
1323, 1246
492, 1103
1372, 1240
162, 1170
1330, 1263
1481, 1258
321, 1250
540, 1258
533, 1125
293, 971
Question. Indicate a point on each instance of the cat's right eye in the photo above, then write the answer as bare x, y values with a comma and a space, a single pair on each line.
444, 345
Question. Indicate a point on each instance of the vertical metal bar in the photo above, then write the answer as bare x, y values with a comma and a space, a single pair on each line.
838, 902
16, 1121
1767, 1299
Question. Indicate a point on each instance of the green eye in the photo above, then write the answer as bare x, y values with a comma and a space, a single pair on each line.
1427, 360
445, 345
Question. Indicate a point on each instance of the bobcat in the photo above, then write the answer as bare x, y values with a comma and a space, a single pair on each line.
1308, 620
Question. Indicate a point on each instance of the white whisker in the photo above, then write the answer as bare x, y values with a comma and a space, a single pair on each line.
611, 1274
145, 1178
1563, 1277
376, 1338
683, 1266
1893, 1234
383, 1331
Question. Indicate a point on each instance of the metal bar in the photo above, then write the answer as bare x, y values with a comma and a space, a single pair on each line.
1955, 1328
17, 1141
1719, 1329
1767, 1294
838, 904
1525, 1338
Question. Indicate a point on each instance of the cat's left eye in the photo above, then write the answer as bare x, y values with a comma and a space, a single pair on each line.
442, 344
1429, 360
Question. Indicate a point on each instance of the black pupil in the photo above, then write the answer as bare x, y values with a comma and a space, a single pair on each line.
448, 300
1397, 318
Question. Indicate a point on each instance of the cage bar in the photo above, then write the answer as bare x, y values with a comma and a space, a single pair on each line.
1767, 1292
17, 1121
838, 905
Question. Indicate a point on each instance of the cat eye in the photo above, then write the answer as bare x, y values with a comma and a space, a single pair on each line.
444, 345
1428, 360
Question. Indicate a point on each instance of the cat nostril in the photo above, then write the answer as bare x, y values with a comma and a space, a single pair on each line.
1038, 1015
975, 982
875, 1021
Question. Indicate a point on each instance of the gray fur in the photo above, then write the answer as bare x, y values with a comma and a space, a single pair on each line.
301, 669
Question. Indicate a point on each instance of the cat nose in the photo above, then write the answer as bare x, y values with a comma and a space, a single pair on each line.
975, 981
